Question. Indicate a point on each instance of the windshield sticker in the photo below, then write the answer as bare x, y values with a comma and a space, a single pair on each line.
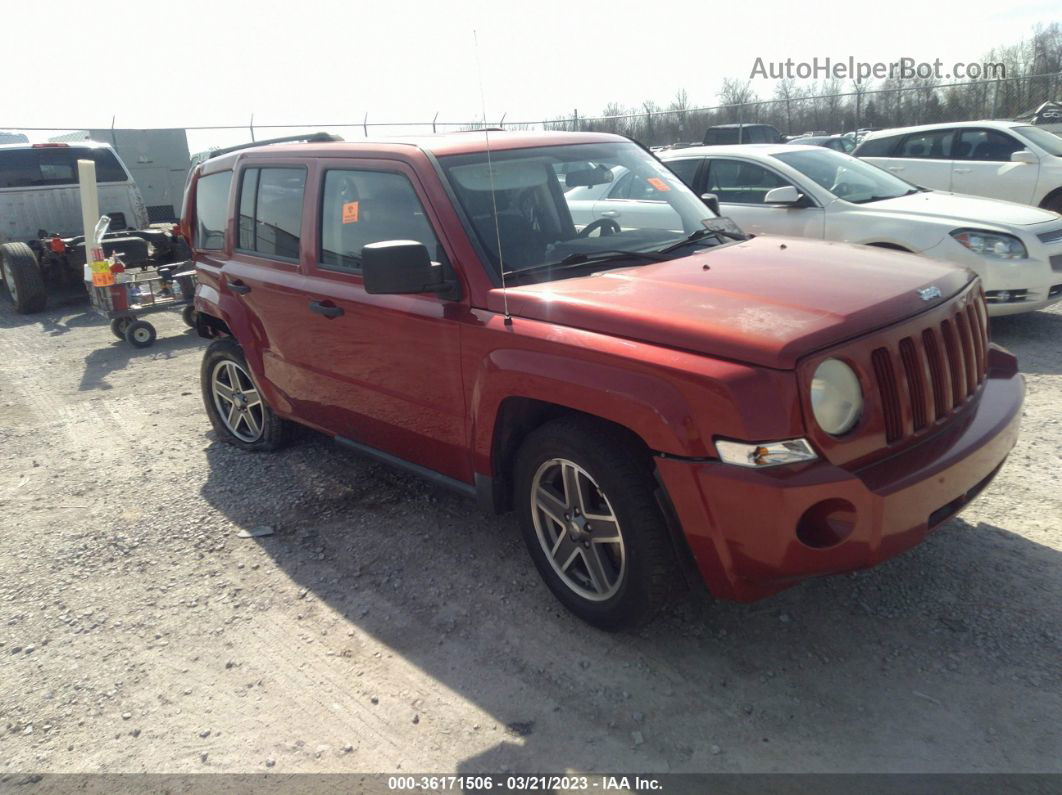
659, 184
350, 213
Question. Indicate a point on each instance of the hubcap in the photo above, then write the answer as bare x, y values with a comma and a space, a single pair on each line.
237, 401
578, 529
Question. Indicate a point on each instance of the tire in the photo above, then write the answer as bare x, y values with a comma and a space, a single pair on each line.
23, 278
1053, 202
119, 325
225, 361
140, 334
188, 316
635, 577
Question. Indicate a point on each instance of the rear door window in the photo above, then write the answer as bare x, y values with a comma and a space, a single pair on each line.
685, 169
932, 145
212, 210
270, 211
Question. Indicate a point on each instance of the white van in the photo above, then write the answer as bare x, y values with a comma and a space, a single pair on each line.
39, 190
1008, 160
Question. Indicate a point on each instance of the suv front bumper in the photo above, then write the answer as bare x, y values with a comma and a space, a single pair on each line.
741, 524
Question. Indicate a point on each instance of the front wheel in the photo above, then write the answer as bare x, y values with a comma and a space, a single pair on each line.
592, 525
140, 334
236, 408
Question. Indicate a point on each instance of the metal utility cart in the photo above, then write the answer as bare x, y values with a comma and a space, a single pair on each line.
131, 295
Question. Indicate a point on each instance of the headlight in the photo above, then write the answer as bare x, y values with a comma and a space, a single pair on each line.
991, 244
836, 397
765, 454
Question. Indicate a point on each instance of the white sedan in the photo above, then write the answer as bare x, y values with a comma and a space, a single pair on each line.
809, 191
631, 201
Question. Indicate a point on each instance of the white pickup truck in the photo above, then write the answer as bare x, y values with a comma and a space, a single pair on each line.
41, 241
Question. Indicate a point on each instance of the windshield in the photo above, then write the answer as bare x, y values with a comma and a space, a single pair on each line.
847, 177
585, 202
1044, 139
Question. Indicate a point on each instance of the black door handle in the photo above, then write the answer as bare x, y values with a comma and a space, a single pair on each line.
239, 287
325, 308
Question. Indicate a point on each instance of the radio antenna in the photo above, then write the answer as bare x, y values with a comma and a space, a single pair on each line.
490, 173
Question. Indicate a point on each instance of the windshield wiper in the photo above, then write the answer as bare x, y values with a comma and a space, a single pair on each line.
585, 258
700, 234
870, 199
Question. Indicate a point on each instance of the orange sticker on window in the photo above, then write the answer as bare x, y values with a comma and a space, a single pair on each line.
350, 213
659, 184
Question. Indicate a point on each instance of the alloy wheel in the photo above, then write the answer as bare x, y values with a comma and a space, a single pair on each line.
578, 529
237, 401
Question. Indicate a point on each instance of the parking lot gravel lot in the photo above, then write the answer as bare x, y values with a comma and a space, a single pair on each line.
387, 625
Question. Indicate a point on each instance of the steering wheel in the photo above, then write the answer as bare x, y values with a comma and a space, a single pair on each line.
608, 226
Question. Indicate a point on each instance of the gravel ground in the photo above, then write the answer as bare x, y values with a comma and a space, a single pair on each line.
386, 625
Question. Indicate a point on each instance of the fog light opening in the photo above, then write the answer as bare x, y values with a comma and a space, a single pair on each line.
826, 524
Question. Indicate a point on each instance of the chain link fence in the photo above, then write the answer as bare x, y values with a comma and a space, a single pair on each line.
894, 103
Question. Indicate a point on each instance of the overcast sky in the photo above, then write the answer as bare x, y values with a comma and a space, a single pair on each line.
192, 63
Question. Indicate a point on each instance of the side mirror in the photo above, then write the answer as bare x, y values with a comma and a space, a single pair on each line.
1024, 156
398, 267
784, 195
711, 201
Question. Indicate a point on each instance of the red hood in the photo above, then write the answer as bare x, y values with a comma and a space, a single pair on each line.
765, 301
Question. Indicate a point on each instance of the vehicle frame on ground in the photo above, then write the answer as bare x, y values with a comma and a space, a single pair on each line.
42, 245
813, 192
662, 404
1015, 161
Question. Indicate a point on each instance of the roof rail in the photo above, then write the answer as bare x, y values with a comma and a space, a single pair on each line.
311, 138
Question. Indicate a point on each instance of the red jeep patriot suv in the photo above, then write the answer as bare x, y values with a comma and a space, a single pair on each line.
554, 323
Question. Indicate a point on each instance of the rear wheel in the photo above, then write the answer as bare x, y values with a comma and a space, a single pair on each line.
23, 278
119, 325
236, 408
592, 525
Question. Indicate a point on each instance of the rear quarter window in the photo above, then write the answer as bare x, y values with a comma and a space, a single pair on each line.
211, 210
